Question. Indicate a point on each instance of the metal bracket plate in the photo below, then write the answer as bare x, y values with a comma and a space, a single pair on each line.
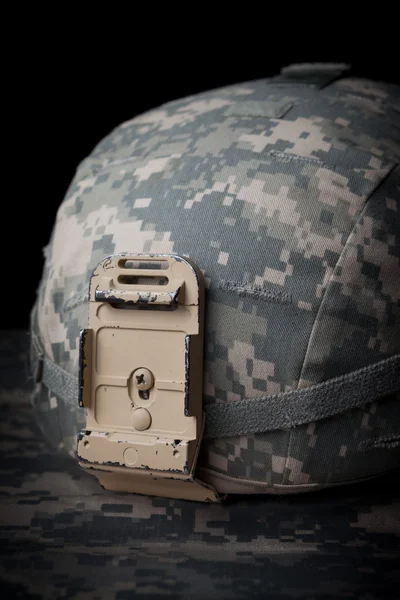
141, 369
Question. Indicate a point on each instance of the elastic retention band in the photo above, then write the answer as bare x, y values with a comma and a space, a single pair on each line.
289, 409
258, 415
55, 378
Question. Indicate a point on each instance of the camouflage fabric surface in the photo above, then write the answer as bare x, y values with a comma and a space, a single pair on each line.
285, 192
63, 536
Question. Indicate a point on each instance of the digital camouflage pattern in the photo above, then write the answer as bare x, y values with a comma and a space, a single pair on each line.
285, 192
63, 536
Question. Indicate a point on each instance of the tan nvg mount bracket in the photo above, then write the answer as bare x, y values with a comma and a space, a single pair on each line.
141, 368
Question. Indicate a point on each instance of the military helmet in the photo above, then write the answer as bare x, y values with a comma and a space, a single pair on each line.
274, 207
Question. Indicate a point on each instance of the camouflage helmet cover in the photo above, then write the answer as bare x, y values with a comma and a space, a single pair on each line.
285, 192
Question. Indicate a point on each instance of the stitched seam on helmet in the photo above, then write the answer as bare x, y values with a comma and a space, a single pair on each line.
284, 156
246, 482
288, 157
329, 283
387, 442
75, 301
279, 155
264, 484
359, 218
255, 291
96, 170
315, 324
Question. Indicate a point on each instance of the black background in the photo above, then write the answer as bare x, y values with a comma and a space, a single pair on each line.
70, 81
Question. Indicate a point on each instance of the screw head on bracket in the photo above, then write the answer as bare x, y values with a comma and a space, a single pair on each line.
143, 379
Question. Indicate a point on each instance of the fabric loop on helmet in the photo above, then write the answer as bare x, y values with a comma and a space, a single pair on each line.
317, 75
257, 415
